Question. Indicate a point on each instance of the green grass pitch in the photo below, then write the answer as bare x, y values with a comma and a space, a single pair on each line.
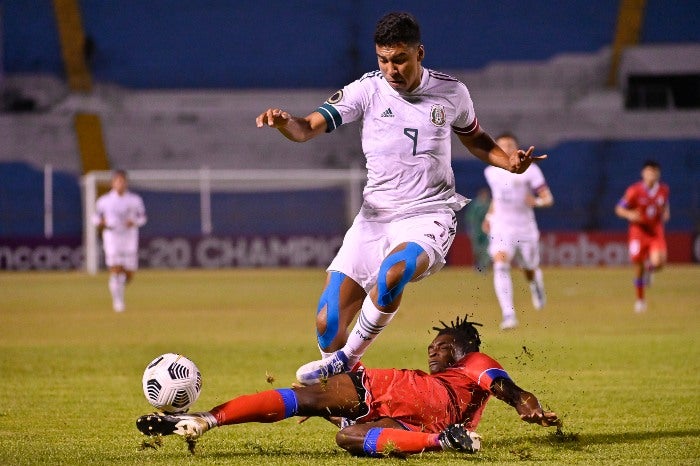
626, 385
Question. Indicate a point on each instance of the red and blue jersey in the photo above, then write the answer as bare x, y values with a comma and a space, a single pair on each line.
431, 402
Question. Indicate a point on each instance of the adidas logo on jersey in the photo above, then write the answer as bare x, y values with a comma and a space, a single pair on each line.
387, 113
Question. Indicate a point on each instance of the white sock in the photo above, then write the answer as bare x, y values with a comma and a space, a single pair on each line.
324, 354
121, 280
539, 278
503, 285
209, 417
370, 323
114, 286
539, 296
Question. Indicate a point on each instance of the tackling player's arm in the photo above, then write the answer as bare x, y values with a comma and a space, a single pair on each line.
525, 403
483, 147
294, 128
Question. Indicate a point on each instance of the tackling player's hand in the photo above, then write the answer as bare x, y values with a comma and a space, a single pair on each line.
543, 418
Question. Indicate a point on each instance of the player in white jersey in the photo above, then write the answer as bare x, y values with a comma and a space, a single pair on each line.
119, 214
407, 221
512, 228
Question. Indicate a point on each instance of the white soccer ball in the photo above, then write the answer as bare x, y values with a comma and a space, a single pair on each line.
172, 383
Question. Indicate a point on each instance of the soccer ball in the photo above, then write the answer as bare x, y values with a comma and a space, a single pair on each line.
172, 383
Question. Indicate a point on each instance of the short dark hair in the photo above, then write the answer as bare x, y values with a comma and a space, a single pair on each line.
397, 28
119, 172
651, 164
464, 332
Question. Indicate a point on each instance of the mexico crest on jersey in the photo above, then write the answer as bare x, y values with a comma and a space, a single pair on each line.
437, 115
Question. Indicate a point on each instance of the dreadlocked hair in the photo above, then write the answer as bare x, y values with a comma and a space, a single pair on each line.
464, 332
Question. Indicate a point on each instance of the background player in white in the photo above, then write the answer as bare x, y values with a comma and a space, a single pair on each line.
512, 228
407, 221
119, 214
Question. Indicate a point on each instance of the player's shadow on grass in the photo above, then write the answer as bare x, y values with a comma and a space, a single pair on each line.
576, 440
570, 440
290, 455
626, 437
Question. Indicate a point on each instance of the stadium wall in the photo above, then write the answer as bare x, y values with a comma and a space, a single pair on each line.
175, 44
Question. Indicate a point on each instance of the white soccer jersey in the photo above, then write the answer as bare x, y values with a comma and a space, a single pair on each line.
117, 210
511, 216
406, 139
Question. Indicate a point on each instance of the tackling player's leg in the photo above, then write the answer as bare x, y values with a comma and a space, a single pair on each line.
387, 437
338, 397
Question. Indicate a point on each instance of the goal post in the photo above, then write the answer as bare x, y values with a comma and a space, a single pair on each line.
206, 184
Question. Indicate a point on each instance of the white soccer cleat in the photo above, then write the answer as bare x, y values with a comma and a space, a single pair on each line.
539, 296
190, 426
509, 323
118, 305
640, 306
316, 371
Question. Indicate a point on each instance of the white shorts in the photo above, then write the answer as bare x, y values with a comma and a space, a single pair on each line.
368, 242
128, 261
525, 251
121, 250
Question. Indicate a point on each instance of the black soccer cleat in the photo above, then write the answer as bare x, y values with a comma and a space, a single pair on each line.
457, 438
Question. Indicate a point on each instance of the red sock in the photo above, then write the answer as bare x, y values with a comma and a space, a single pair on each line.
267, 406
406, 441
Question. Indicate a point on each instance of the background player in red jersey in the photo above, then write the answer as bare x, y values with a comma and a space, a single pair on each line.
396, 411
645, 205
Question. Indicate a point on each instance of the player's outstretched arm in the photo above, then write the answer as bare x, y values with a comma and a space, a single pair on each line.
525, 403
294, 128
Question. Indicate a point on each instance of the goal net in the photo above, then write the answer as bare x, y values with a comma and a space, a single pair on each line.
233, 218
